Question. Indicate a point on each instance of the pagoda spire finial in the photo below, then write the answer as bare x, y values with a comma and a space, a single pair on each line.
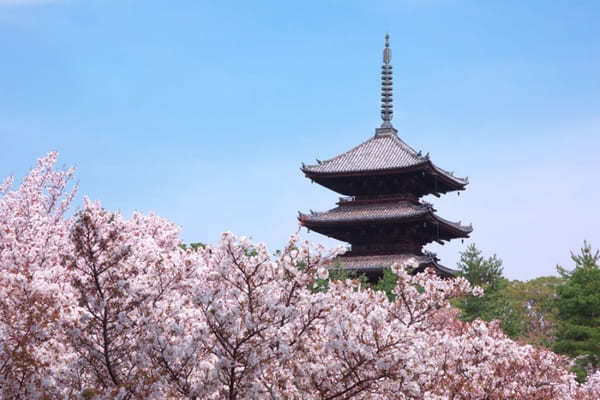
386, 86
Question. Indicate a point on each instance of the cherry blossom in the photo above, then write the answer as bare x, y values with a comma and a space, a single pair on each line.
33, 234
97, 305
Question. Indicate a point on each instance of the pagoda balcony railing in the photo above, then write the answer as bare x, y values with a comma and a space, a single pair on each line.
347, 199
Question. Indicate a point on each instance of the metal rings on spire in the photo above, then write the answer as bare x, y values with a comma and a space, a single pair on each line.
387, 109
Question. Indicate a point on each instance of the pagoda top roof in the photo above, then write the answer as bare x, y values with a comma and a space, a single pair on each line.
381, 152
352, 212
385, 151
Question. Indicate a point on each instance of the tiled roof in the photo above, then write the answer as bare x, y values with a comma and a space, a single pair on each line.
381, 152
375, 211
446, 270
379, 262
384, 151
351, 212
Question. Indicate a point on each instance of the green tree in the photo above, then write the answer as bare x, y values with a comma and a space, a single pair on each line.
587, 259
480, 271
494, 304
387, 283
535, 301
578, 304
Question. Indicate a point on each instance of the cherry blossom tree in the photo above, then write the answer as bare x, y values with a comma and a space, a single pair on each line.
98, 306
33, 235
119, 271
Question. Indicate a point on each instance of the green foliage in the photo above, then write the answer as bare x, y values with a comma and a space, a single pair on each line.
251, 252
337, 274
588, 259
194, 246
578, 304
387, 283
480, 271
535, 302
494, 304
340, 274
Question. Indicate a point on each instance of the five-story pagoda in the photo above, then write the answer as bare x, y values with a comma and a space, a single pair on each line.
383, 218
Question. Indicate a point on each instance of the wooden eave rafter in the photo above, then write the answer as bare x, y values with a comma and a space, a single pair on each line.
427, 166
428, 216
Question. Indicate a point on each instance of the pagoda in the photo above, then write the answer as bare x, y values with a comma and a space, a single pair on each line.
382, 216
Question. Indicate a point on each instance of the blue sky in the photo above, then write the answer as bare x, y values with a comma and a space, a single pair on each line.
203, 111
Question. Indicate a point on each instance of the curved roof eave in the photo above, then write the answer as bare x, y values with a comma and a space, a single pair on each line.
459, 183
448, 175
456, 226
453, 226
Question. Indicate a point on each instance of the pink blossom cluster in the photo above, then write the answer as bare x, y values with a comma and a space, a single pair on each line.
97, 306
